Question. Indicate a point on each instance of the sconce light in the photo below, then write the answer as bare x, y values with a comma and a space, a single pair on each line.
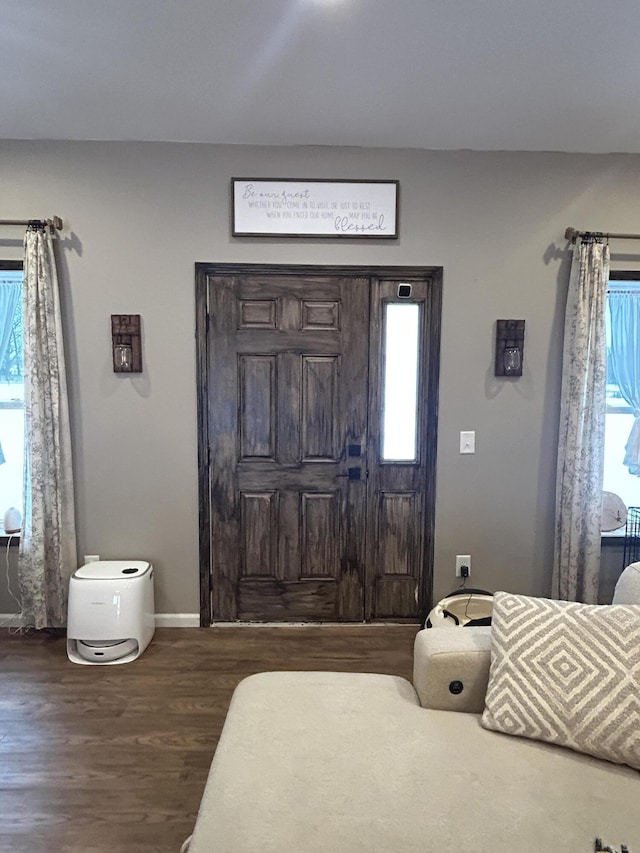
126, 343
509, 347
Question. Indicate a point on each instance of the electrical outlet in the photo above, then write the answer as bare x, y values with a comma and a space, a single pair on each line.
91, 558
463, 560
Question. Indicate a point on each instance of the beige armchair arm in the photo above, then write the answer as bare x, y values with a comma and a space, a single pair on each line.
628, 586
451, 668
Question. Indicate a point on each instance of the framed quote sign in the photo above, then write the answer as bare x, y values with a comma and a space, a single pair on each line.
286, 207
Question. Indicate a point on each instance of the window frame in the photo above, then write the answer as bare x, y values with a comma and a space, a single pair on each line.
613, 538
13, 540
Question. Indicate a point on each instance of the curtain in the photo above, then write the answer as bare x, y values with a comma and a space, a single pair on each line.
9, 293
624, 364
576, 567
47, 555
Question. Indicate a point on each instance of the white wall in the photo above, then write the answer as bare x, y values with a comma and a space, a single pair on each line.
137, 217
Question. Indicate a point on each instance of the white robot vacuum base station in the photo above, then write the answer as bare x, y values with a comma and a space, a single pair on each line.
111, 616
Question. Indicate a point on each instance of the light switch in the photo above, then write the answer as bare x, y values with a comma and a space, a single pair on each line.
468, 441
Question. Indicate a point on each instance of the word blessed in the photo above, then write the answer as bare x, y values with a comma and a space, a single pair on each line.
344, 225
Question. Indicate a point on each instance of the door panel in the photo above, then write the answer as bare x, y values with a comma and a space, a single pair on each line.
257, 389
396, 489
396, 526
319, 525
258, 520
288, 363
319, 397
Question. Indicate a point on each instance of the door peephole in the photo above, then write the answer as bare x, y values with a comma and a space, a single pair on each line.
404, 291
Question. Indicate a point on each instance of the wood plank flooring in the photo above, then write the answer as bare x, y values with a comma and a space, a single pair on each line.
114, 758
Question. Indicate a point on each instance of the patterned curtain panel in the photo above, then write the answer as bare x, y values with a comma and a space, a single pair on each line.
48, 541
576, 568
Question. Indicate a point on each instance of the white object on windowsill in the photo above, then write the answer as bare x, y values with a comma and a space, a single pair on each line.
614, 512
12, 521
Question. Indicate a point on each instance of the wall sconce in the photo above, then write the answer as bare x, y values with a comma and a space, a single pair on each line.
509, 347
126, 343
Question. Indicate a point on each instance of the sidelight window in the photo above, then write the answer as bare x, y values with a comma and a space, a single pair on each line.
400, 382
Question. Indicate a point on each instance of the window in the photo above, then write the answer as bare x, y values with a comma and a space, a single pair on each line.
623, 371
11, 387
400, 390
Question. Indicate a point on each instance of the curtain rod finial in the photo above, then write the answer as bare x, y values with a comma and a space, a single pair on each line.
57, 223
570, 234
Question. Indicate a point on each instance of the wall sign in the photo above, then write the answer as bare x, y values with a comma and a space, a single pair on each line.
314, 208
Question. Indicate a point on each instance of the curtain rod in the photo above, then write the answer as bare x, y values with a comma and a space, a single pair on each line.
55, 223
573, 233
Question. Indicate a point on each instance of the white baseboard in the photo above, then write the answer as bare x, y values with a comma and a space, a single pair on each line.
11, 620
177, 620
163, 620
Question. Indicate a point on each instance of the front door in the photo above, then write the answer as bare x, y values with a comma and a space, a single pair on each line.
311, 515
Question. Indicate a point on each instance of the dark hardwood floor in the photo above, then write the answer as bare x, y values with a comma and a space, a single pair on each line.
113, 759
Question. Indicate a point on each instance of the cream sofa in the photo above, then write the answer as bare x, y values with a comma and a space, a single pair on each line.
331, 762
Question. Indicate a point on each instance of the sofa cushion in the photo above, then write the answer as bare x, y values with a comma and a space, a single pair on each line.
568, 674
348, 763
628, 586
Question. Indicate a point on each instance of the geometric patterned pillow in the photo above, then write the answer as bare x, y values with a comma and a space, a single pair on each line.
566, 673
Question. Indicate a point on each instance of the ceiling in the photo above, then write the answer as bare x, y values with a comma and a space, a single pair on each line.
442, 74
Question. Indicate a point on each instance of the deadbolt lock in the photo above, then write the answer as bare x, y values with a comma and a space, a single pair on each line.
352, 474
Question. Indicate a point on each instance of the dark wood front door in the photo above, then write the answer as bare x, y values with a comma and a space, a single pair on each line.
301, 517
